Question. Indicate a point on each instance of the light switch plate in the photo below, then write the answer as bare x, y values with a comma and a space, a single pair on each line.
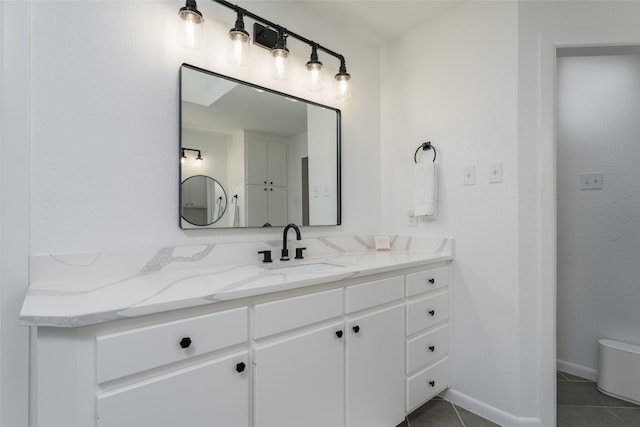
495, 172
470, 175
591, 181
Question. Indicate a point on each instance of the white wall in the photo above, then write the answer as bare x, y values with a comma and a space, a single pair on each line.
453, 82
90, 107
104, 79
14, 210
598, 230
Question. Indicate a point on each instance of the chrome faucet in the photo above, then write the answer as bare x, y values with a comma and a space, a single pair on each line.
285, 252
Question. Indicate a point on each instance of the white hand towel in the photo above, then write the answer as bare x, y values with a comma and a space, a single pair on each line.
425, 190
236, 214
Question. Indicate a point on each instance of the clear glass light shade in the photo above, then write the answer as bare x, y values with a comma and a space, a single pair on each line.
315, 79
238, 48
190, 30
342, 87
280, 64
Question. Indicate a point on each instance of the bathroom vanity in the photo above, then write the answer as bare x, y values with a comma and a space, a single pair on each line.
347, 337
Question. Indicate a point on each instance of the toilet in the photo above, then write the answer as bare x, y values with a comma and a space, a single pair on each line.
619, 370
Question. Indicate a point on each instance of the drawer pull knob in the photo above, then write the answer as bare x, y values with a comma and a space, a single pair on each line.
432, 312
432, 348
240, 367
356, 329
432, 281
185, 342
432, 383
339, 334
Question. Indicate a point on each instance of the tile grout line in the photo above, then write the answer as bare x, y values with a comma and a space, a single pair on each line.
458, 414
618, 417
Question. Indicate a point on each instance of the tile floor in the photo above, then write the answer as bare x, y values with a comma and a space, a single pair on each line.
580, 404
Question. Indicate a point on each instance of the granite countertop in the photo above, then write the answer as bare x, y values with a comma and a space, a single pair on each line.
82, 289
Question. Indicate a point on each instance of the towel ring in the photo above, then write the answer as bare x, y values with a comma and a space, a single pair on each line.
425, 146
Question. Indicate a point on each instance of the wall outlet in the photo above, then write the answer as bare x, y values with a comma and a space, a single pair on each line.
591, 181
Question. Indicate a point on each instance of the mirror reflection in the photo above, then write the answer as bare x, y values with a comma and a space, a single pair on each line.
277, 156
204, 201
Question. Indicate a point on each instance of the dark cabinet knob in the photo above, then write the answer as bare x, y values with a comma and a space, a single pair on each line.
271, 182
432, 281
432, 312
265, 182
265, 189
272, 189
240, 367
185, 342
339, 334
432, 348
432, 383
356, 329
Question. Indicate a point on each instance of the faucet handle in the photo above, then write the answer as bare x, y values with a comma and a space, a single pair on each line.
299, 253
267, 256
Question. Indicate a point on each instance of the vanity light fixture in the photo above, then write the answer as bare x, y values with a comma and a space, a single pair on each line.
316, 75
190, 33
342, 85
238, 50
280, 55
273, 37
183, 158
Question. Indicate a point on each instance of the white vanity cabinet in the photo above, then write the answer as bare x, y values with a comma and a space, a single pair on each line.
427, 332
362, 352
299, 361
375, 353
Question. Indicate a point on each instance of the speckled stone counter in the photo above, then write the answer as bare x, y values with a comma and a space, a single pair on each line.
75, 290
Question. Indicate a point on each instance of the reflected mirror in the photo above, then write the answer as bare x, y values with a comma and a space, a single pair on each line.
277, 156
204, 201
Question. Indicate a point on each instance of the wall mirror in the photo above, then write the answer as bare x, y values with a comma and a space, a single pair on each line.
254, 157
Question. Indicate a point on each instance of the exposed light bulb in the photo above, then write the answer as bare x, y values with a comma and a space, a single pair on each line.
316, 75
238, 47
342, 85
280, 55
190, 33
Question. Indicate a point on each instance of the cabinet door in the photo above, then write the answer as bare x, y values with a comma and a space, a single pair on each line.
277, 206
277, 164
256, 161
299, 381
257, 207
210, 394
375, 369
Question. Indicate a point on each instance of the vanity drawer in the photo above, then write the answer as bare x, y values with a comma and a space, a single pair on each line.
424, 313
137, 350
424, 281
279, 316
426, 384
374, 293
425, 349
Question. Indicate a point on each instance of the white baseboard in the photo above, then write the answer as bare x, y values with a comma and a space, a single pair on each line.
489, 412
577, 370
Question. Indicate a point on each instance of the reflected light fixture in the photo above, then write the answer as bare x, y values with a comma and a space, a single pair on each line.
238, 48
190, 33
316, 75
271, 36
183, 158
280, 55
